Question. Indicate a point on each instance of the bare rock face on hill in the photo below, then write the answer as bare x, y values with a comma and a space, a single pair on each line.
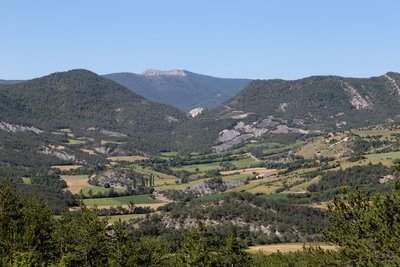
242, 132
12, 128
196, 112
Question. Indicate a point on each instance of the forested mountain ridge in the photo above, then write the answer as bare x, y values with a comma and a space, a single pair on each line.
277, 106
83, 101
322, 99
180, 88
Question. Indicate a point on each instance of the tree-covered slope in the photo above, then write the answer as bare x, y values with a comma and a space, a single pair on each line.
83, 101
182, 89
325, 100
315, 103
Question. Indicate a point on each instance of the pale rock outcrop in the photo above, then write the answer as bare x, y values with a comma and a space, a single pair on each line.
357, 100
196, 112
153, 72
13, 128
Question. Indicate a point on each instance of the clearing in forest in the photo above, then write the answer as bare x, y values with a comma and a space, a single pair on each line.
66, 167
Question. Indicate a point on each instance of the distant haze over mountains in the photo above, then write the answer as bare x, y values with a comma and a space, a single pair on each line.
180, 88
9, 81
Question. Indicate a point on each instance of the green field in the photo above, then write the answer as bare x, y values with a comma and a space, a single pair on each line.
247, 147
389, 155
245, 163
116, 201
27, 180
235, 177
202, 167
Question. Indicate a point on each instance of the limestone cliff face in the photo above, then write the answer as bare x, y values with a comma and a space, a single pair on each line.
154, 72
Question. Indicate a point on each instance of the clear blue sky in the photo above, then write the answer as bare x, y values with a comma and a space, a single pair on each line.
227, 38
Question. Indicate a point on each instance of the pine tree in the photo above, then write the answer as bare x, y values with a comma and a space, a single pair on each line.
367, 228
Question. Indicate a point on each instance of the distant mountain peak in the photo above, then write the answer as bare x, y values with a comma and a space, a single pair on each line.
154, 72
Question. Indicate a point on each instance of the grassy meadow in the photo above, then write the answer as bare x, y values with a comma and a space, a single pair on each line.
115, 201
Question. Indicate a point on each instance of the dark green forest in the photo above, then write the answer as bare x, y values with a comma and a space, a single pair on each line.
364, 227
80, 100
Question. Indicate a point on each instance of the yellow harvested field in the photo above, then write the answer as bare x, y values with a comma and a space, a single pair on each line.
263, 186
75, 142
66, 167
76, 182
259, 171
89, 151
289, 247
127, 158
